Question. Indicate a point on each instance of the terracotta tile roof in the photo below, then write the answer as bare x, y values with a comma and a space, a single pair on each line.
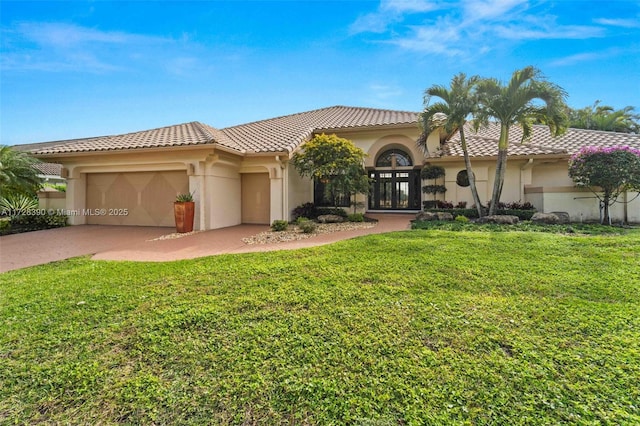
281, 134
49, 169
285, 134
193, 133
484, 143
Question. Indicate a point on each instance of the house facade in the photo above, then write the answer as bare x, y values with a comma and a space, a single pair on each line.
244, 173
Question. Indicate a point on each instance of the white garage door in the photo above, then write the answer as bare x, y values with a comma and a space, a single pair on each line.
134, 198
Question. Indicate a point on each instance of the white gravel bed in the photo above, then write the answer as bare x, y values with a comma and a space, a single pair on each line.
293, 233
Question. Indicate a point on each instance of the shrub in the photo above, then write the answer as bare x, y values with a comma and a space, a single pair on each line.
307, 226
306, 210
356, 217
434, 189
279, 225
444, 204
461, 205
330, 210
35, 220
301, 219
432, 172
473, 213
311, 211
462, 219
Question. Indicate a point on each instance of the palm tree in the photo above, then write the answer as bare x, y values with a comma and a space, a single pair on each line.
457, 104
514, 104
17, 172
604, 117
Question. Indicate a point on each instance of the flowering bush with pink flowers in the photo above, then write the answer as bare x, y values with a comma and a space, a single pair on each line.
607, 171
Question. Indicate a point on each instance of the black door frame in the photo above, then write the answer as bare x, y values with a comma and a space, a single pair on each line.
412, 178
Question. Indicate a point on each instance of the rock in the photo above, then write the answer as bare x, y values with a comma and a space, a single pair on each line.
546, 218
503, 219
426, 216
444, 216
551, 218
563, 217
330, 218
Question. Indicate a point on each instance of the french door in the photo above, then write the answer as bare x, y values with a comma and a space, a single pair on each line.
395, 190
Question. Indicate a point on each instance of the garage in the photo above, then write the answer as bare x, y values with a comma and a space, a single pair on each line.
256, 204
134, 198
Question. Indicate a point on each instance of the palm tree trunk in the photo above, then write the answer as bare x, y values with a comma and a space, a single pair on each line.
501, 168
470, 175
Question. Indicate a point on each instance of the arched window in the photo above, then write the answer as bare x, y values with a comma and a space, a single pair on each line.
386, 159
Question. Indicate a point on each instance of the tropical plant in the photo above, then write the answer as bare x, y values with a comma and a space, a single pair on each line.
17, 172
184, 198
515, 104
334, 161
458, 103
17, 204
607, 172
604, 117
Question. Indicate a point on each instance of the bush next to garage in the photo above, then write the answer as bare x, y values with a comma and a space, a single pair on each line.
30, 221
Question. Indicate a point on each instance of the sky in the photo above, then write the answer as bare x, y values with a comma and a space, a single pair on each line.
78, 69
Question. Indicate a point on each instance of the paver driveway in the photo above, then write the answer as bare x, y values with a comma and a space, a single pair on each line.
142, 243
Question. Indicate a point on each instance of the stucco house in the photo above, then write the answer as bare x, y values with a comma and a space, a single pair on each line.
243, 174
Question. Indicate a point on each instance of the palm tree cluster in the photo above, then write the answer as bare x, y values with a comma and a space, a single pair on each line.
605, 117
17, 172
526, 99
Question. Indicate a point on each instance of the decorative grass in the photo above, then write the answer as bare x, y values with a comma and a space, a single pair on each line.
417, 327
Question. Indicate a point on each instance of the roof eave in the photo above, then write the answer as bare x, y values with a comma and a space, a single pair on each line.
120, 151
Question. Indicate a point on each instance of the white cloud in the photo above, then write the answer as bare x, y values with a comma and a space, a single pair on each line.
391, 12
56, 47
623, 23
576, 59
475, 10
466, 27
593, 56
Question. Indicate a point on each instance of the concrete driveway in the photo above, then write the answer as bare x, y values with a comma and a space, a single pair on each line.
144, 243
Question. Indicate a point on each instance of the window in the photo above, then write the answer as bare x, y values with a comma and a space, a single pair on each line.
394, 158
462, 179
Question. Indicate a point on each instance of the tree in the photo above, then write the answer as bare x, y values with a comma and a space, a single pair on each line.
334, 161
514, 104
614, 170
458, 103
604, 117
17, 172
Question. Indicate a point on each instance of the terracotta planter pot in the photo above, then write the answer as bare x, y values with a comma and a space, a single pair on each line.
183, 213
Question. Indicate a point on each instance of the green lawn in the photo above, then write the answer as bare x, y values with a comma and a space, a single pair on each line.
417, 327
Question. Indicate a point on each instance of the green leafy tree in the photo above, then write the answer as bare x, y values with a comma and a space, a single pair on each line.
604, 117
334, 161
457, 103
17, 172
607, 172
526, 99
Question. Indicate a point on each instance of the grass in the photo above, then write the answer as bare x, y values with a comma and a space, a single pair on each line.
416, 327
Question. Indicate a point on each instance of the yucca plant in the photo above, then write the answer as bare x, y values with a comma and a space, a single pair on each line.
17, 204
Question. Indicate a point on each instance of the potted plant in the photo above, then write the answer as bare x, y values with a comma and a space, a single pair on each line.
184, 209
